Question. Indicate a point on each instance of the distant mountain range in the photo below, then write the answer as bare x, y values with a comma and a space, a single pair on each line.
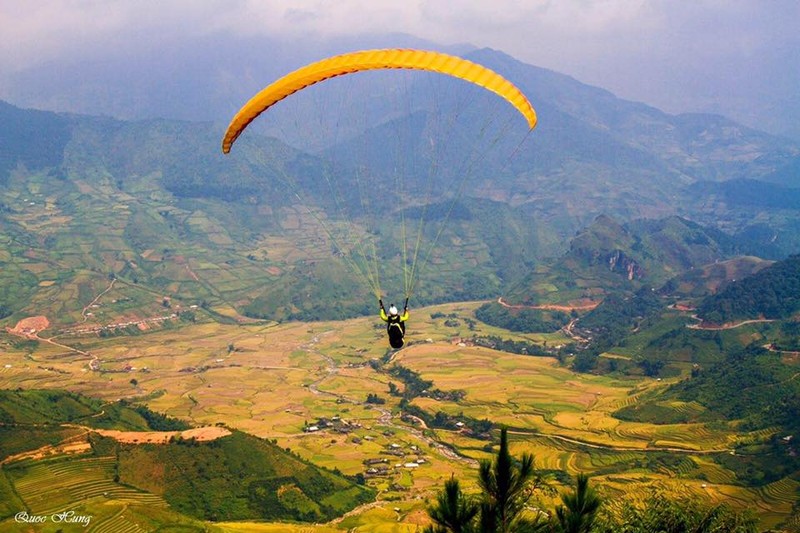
166, 188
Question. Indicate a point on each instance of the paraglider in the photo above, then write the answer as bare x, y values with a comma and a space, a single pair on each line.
367, 60
395, 324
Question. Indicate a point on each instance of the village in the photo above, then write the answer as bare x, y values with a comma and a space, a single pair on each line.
394, 456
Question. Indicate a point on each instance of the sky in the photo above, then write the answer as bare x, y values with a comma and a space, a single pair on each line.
736, 57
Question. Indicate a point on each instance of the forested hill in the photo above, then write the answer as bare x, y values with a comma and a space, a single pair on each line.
773, 293
616, 256
33, 139
40, 407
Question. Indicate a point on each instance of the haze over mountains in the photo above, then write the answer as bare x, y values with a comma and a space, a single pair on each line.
747, 76
592, 154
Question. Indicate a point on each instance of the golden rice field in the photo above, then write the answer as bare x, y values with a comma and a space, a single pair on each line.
274, 380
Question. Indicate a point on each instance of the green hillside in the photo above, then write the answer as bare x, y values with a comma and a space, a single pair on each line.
30, 419
741, 376
610, 256
602, 283
236, 477
772, 293
710, 279
618, 316
752, 385
751, 390
522, 320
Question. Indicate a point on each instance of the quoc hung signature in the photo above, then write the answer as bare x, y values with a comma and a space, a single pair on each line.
65, 517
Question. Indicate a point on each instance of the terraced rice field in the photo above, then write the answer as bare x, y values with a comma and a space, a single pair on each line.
54, 486
784, 492
713, 472
687, 408
756, 436
117, 523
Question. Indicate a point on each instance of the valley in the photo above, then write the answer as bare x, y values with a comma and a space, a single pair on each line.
305, 386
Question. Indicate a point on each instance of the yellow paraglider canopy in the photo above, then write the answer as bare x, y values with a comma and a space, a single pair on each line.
373, 60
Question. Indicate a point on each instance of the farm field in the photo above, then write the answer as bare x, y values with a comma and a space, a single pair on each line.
277, 381
80, 493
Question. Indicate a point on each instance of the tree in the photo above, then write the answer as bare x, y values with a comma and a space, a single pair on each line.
579, 509
375, 399
507, 486
584, 362
651, 368
453, 512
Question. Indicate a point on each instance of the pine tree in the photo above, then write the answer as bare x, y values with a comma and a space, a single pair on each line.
579, 509
453, 512
507, 485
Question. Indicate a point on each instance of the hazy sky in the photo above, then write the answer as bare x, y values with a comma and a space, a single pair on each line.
677, 55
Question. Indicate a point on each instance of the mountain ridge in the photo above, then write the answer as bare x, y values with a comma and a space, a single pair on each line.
165, 186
